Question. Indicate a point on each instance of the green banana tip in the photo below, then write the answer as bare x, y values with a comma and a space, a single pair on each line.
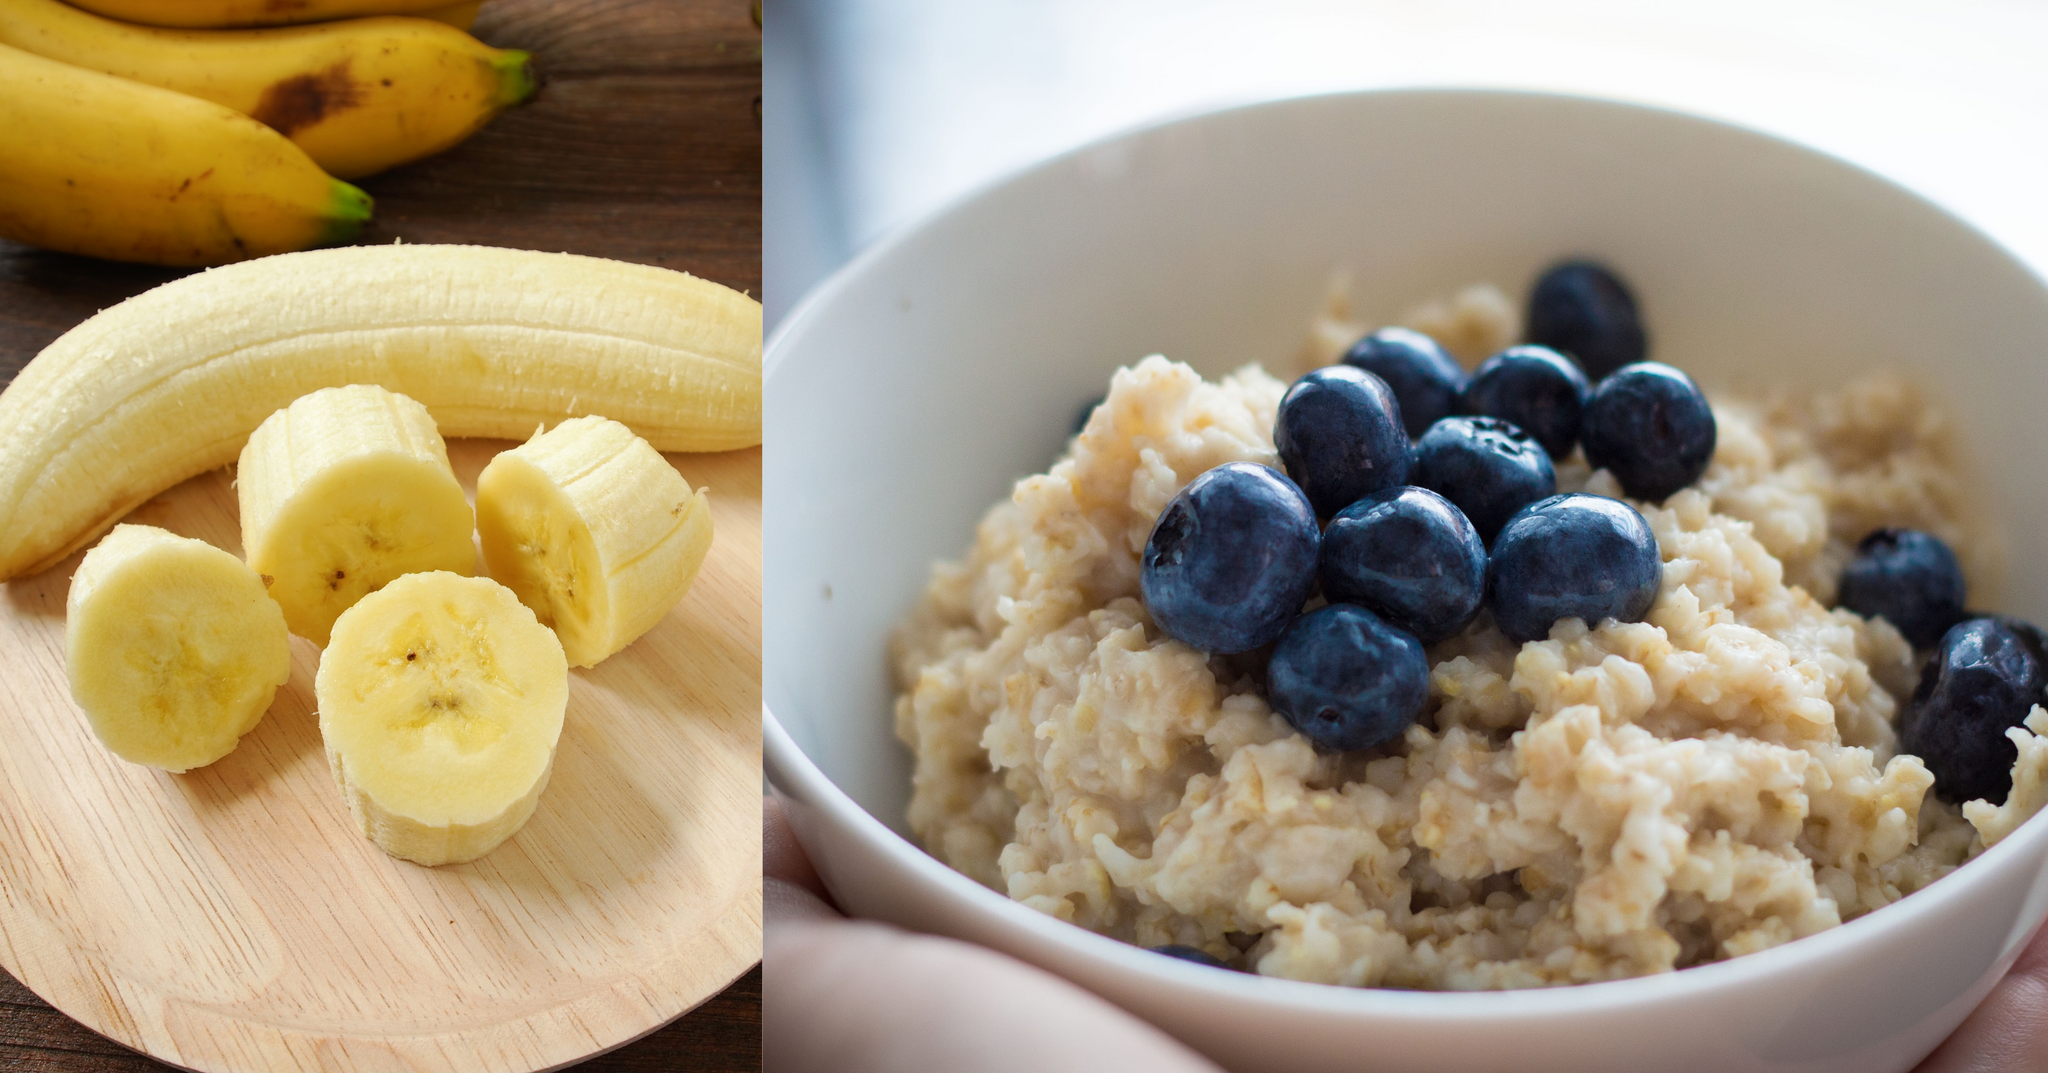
517, 80
349, 208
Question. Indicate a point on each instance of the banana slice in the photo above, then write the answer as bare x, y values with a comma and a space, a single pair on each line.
441, 700
342, 491
173, 650
594, 530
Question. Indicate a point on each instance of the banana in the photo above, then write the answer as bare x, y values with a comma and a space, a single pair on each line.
460, 16
221, 14
172, 648
359, 96
169, 384
441, 701
594, 531
106, 167
342, 492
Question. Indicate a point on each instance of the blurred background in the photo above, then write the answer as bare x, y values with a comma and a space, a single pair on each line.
877, 112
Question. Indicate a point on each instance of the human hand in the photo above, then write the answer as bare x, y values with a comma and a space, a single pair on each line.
2008, 1031
859, 996
854, 996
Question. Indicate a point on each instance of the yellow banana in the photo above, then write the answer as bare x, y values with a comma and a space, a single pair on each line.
173, 649
460, 16
342, 492
359, 96
594, 531
221, 14
441, 702
106, 167
170, 383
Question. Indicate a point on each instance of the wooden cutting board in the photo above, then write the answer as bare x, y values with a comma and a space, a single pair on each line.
233, 918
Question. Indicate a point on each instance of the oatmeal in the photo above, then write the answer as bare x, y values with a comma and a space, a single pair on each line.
1608, 802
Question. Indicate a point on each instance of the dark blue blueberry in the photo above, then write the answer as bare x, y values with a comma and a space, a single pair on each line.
1651, 427
1346, 680
1487, 467
1087, 411
1908, 578
1190, 953
1986, 674
1534, 388
1583, 309
1409, 555
1231, 559
1339, 434
1572, 556
1425, 378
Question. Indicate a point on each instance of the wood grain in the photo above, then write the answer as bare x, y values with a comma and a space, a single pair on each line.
232, 918
721, 1036
643, 145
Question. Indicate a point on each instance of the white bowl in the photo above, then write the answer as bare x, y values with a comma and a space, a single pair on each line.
909, 391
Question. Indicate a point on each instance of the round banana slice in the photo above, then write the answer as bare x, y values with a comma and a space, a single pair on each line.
342, 491
172, 648
441, 699
594, 530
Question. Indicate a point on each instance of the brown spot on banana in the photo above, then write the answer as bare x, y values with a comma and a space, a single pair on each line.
302, 100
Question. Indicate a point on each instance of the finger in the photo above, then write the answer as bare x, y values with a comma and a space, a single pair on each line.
860, 997
2008, 1032
782, 856
783, 902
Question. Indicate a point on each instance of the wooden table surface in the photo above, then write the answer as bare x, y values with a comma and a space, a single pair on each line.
644, 144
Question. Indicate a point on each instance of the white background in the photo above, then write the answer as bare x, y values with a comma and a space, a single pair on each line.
876, 112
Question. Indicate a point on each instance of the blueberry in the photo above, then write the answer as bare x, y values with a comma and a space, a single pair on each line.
1907, 577
1583, 309
1572, 556
1231, 559
1087, 411
1346, 680
1487, 467
1339, 434
1986, 674
1425, 378
1536, 389
1190, 953
1410, 556
1650, 426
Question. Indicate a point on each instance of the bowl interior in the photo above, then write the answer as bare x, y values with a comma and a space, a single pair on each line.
908, 393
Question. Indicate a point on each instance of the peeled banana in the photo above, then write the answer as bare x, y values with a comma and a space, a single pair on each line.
170, 383
172, 648
359, 96
594, 531
342, 492
441, 701
107, 167
215, 14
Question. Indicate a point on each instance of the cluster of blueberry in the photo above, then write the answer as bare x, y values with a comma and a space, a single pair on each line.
1438, 492
1414, 496
1985, 674
1422, 534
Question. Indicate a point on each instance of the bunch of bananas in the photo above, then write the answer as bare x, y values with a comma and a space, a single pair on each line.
147, 132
